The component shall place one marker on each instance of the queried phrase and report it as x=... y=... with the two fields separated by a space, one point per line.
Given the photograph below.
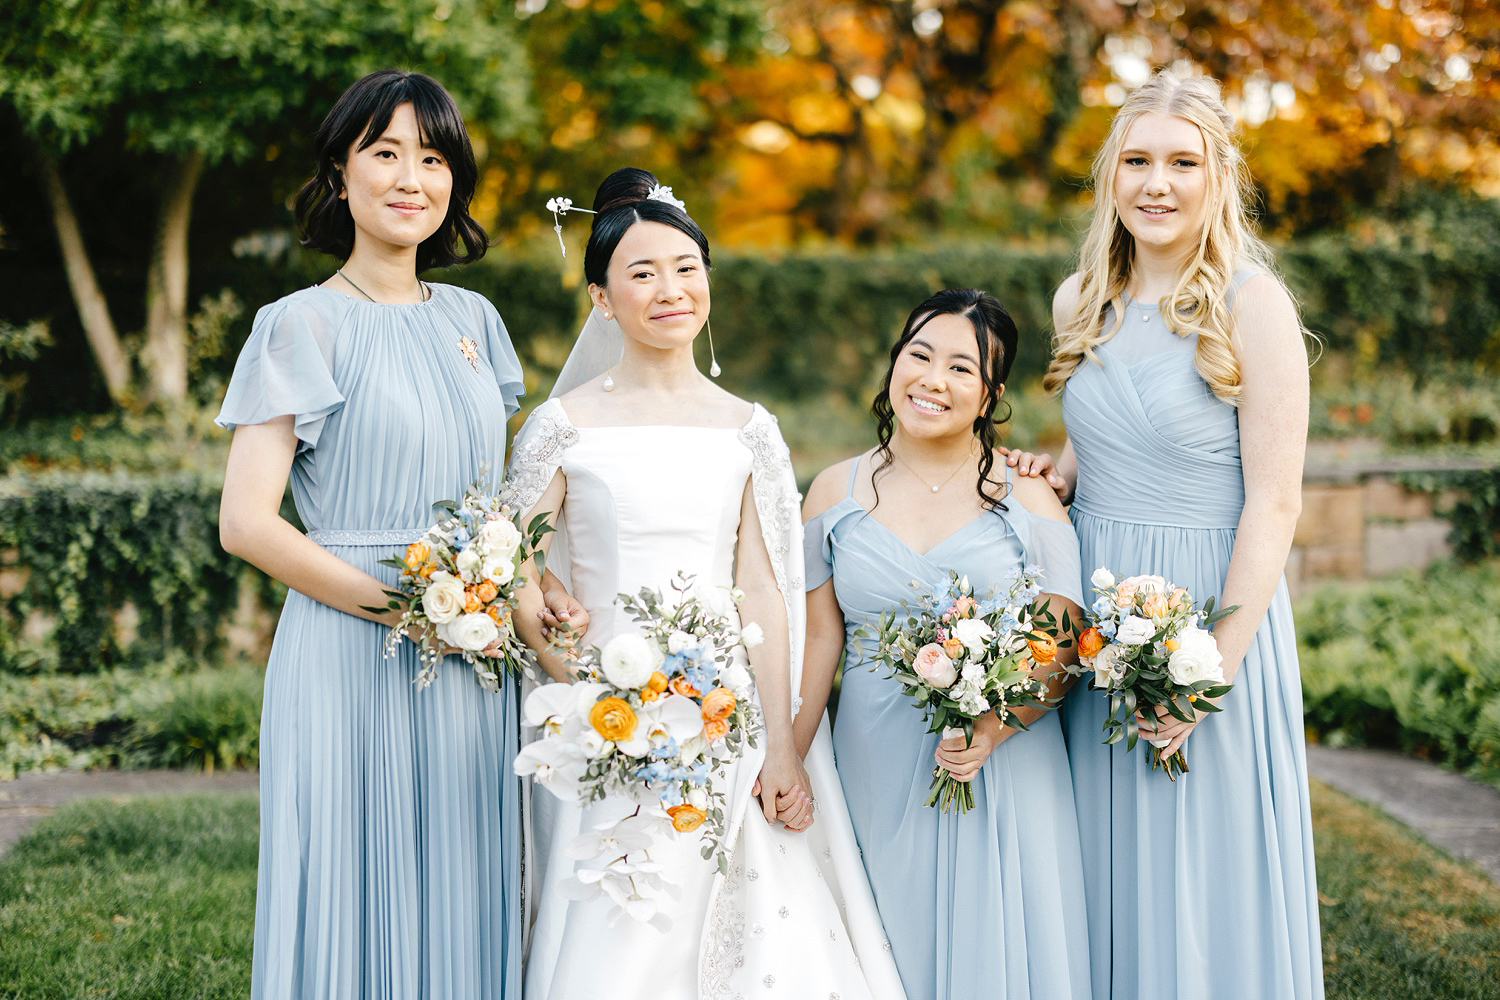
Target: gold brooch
x=470 y=352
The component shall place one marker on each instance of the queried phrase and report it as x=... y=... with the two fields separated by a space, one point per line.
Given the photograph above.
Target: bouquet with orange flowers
x=651 y=718
x=458 y=585
x=1149 y=648
x=961 y=657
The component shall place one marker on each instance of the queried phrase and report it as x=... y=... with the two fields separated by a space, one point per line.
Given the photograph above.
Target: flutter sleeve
x=503 y=360
x=285 y=369
x=1053 y=546
x=817 y=549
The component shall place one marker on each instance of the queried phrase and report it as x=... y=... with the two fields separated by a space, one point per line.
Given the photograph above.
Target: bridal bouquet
x=458 y=586
x=960 y=657
x=651 y=718
x=1148 y=647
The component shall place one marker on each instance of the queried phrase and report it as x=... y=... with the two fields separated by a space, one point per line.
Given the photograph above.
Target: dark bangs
x=362 y=114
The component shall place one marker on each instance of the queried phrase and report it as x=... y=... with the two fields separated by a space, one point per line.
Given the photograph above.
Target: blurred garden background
x=846 y=158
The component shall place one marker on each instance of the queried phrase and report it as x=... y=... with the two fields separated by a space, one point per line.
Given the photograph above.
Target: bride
x=656 y=470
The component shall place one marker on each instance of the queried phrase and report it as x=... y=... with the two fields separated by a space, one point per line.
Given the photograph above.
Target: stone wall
x=1359 y=522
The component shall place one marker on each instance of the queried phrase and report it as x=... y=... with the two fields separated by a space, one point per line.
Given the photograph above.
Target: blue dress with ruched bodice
x=1202 y=888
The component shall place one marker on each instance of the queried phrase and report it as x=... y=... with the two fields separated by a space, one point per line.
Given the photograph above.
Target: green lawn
x=154 y=900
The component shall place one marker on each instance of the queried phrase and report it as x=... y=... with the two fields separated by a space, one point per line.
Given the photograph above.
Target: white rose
x=470 y=632
x=498 y=571
x=973 y=633
x=1102 y=579
x=736 y=677
x=443 y=600
x=500 y=539
x=1197 y=658
x=679 y=641
x=629 y=660
x=1109 y=669
x=469 y=562
x=752 y=635
x=1134 y=630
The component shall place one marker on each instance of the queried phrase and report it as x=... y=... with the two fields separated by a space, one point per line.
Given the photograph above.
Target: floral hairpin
x=663 y=193
x=562 y=206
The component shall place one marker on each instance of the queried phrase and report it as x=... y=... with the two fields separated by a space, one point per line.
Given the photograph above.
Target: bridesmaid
x=987 y=903
x=1184 y=380
x=390 y=823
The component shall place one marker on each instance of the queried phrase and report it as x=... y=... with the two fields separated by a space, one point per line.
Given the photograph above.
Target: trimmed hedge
x=81 y=549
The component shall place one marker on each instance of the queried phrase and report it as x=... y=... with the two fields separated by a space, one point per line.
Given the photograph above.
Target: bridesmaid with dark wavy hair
x=390 y=850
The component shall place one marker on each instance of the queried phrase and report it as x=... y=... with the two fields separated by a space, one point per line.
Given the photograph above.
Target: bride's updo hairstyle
x=621 y=202
x=997 y=337
x=362 y=115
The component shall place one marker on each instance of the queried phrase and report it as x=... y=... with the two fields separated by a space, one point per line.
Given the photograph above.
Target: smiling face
x=1161 y=183
x=935 y=386
x=397 y=188
x=657 y=286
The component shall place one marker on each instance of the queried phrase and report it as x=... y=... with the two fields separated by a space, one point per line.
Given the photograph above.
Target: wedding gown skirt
x=794 y=915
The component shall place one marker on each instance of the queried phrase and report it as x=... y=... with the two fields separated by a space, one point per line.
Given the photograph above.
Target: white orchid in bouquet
x=960 y=657
x=1149 y=647
x=650 y=718
x=458 y=586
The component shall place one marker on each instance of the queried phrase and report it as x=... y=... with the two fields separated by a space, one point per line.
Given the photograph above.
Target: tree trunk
x=165 y=352
x=93 y=310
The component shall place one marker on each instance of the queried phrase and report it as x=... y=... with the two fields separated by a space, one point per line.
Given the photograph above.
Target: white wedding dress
x=794 y=916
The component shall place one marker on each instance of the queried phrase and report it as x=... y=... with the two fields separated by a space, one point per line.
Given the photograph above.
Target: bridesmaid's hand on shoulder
x=964 y=762
x=1035 y=465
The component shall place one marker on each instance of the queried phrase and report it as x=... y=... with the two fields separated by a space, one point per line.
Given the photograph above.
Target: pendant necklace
x=924 y=482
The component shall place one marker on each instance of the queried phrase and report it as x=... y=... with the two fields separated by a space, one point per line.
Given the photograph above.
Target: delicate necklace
x=923 y=481
x=422 y=285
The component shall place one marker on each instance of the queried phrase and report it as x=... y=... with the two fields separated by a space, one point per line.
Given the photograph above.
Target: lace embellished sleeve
x=538 y=453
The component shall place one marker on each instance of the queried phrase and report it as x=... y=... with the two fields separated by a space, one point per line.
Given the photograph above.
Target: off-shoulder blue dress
x=981 y=904
x=390 y=821
x=1202 y=888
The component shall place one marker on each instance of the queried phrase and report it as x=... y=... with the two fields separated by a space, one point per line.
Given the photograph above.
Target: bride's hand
x=785 y=791
x=563 y=619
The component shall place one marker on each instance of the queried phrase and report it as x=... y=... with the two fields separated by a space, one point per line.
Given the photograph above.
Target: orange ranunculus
x=964 y=607
x=1173 y=645
x=613 y=719
x=486 y=591
x=715 y=729
x=431 y=567
x=1090 y=642
x=1043 y=650
x=472 y=603
x=657 y=682
x=952 y=648
x=416 y=555
x=717 y=704
x=648 y=695
x=686 y=818
x=680 y=685
x=499 y=616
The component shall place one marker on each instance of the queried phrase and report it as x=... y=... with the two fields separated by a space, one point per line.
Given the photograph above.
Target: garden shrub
x=1407 y=662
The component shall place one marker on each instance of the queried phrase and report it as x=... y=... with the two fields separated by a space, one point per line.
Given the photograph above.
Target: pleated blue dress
x=987 y=903
x=1203 y=888
x=390 y=846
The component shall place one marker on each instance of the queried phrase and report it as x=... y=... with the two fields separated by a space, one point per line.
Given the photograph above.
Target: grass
x=154 y=899
x=146 y=900
x=1400 y=920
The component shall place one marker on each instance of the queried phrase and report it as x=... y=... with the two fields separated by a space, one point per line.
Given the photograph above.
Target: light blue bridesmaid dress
x=1203 y=888
x=983 y=904
x=390 y=844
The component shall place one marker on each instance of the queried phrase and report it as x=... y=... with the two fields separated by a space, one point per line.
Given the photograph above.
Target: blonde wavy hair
x=1199 y=302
